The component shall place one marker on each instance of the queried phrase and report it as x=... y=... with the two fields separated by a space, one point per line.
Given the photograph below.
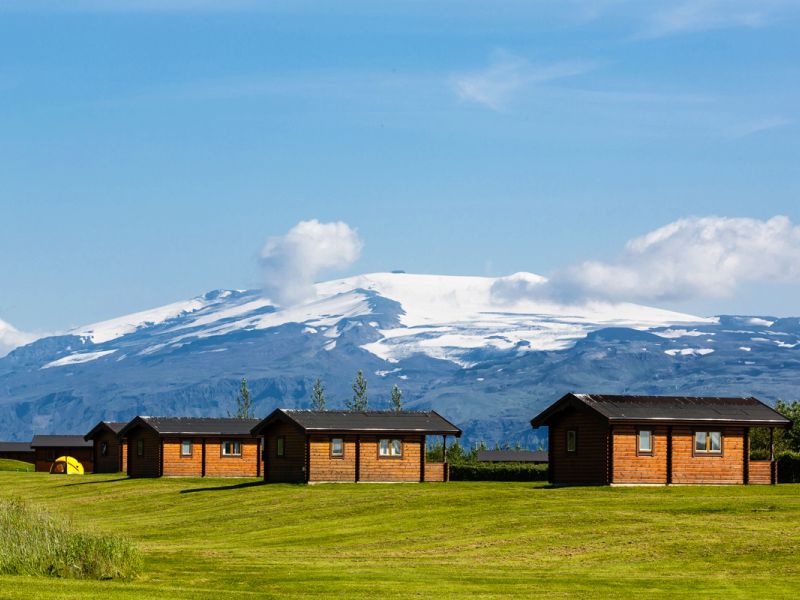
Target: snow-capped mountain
x=485 y=351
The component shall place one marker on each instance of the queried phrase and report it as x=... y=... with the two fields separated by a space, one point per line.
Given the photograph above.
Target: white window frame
x=340 y=453
x=234 y=444
x=390 y=448
x=188 y=454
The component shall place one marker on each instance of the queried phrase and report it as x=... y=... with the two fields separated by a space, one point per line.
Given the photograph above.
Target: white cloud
x=702 y=15
x=292 y=262
x=708 y=257
x=493 y=86
x=759 y=125
x=11 y=338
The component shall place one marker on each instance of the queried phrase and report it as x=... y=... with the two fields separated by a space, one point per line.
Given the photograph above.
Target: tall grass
x=33 y=542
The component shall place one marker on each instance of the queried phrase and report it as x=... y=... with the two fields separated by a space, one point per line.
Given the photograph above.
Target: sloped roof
x=193 y=425
x=747 y=411
x=112 y=426
x=429 y=422
x=59 y=441
x=15 y=447
x=512 y=456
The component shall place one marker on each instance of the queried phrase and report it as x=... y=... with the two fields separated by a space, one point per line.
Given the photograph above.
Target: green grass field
x=238 y=538
x=7 y=464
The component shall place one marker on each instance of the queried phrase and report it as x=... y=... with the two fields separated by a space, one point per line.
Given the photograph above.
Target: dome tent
x=66 y=465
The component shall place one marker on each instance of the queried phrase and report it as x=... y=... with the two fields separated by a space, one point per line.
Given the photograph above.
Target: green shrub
x=34 y=543
x=498 y=472
x=788 y=467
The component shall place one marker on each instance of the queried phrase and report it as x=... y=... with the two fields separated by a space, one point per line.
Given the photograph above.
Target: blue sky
x=148 y=149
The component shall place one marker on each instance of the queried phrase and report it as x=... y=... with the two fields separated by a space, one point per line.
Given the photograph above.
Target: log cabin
x=191 y=447
x=47 y=448
x=21 y=451
x=617 y=440
x=304 y=446
x=109 y=452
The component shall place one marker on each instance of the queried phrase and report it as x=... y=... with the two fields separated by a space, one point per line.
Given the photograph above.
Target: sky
x=150 y=150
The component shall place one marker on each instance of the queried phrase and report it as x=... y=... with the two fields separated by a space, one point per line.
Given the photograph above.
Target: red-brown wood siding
x=631 y=467
x=324 y=467
x=377 y=468
x=28 y=457
x=149 y=464
x=291 y=466
x=709 y=469
x=589 y=463
x=110 y=463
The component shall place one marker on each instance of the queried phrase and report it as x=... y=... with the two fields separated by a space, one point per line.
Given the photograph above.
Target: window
x=390 y=447
x=104 y=448
x=281 y=448
x=139 y=447
x=231 y=448
x=708 y=442
x=337 y=448
x=186 y=447
x=572 y=440
x=645 y=444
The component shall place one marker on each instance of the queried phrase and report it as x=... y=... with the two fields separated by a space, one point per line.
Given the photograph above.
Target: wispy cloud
x=494 y=86
x=703 y=15
x=11 y=338
x=758 y=125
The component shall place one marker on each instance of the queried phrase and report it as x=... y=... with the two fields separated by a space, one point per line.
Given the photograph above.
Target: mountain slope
x=471 y=347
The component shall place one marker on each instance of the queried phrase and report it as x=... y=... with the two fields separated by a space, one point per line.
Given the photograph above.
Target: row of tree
x=360 y=401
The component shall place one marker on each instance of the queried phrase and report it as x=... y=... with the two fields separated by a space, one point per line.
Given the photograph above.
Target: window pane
x=700 y=441
x=186 y=447
x=140 y=447
x=337 y=447
x=571 y=441
x=280 y=449
x=397 y=447
x=237 y=447
x=384 y=448
x=645 y=441
x=716 y=441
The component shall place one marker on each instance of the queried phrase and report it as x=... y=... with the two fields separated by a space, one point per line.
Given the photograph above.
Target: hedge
x=789 y=467
x=498 y=472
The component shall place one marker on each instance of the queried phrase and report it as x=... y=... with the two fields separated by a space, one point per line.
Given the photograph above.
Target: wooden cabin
x=47 y=448
x=191 y=447
x=601 y=439
x=531 y=457
x=109 y=452
x=21 y=451
x=318 y=446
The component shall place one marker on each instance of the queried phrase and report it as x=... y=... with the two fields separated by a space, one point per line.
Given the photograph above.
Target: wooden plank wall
x=46 y=456
x=629 y=467
x=375 y=468
x=589 y=464
x=147 y=465
x=760 y=472
x=327 y=468
x=110 y=463
x=710 y=469
x=291 y=467
x=434 y=472
x=232 y=466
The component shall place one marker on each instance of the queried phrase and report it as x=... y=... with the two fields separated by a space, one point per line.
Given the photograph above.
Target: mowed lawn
x=217 y=538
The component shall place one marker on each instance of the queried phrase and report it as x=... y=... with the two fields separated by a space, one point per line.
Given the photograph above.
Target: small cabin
x=47 y=448
x=109 y=452
x=327 y=446
x=531 y=457
x=191 y=447
x=21 y=451
x=611 y=439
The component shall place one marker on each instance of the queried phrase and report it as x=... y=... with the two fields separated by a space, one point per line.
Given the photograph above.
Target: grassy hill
x=8 y=464
x=219 y=538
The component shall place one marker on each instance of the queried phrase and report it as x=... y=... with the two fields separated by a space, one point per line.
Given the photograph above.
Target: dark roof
x=59 y=441
x=691 y=409
x=374 y=421
x=512 y=456
x=112 y=426
x=15 y=447
x=192 y=425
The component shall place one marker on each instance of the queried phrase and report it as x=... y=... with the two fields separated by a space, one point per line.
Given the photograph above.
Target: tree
x=786 y=440
x=360 y=401
x=244 y=405
x=396 y=403
x=318 y=395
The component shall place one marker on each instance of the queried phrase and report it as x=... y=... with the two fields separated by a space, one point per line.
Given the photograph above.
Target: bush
x=498 y=472
x=788 y=467
x=34 y=543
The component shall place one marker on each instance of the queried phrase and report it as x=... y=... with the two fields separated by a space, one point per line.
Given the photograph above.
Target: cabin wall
x=589 y=463
x=324 y=467
x=176 y=465
x=44 y=457
x=290 y=467
x=378 y=468
x=110 y=461
x=28 y=456
x=714 y=469
x=245 y=465
x=149 y=464
x=631 y=467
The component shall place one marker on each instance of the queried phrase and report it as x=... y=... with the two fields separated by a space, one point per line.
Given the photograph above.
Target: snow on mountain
x=10 y=338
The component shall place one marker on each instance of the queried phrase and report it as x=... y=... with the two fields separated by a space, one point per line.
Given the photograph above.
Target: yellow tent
x=66 y=465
